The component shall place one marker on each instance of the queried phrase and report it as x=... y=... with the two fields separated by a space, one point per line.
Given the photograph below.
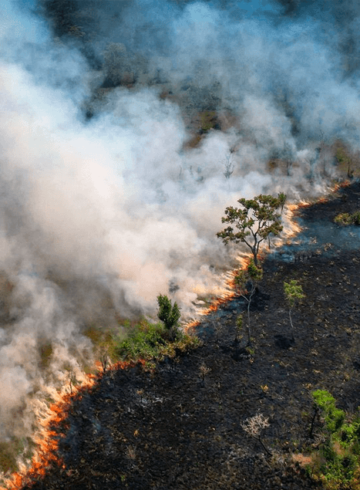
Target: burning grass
x=120 y=347
x=11 y=450
x=278 y=380
x=45 y=443
x=145 y=343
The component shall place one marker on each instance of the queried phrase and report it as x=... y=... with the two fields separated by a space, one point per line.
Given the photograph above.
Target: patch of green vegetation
x=151 y=341
x=336 y=464
x=347 y=219
x=131 y=341
x=207 y=120
x=24 y=446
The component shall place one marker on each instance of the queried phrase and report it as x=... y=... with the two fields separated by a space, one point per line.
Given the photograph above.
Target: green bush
x=168 y=313
x=334 y=417
x=144 y=340
x=132 y=341
x=338 y=463
x=151 y=341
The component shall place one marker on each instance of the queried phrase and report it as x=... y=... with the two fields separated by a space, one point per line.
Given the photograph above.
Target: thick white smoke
x=97 y=218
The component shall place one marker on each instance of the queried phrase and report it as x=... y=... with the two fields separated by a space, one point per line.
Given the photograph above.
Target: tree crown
x=251 y=273
x=261 y=211
x=168 y=313
x=293 y=292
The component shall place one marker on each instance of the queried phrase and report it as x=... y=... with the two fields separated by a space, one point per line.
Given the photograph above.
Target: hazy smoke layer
x=105 y=202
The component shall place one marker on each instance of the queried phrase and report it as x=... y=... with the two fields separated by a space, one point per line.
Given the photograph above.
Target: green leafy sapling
x=168 y=313
x=293 y=293
x=246 y=281
x=254 y=222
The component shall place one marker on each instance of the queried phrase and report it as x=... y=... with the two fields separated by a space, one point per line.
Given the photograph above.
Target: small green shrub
x=144 y=340
x=293 y=294
x=334 y=417
x=168 y=313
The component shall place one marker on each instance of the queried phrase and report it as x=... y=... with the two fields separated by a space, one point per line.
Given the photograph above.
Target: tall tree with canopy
x=254 y=222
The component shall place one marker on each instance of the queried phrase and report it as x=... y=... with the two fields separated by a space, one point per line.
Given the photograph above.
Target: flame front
x=56 y=413
x=46 y=438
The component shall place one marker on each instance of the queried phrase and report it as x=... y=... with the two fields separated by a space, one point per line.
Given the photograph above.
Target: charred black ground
x=173 y=430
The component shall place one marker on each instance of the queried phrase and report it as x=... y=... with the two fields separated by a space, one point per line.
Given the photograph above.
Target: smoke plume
x=126 y=128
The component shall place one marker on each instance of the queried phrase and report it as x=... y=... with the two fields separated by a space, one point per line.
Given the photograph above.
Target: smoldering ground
x=103 y=203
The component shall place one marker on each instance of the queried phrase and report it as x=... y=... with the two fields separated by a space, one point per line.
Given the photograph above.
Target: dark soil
x=172 y=429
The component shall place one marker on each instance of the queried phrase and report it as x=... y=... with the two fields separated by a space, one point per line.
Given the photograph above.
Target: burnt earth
x=175 y=429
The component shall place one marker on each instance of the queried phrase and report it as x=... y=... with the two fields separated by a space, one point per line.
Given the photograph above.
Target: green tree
x=334 y=417
x=293 y=293
x=168 y=313
x=246 y=282
x=254 y=222
x=338 y=465
x=282 y=200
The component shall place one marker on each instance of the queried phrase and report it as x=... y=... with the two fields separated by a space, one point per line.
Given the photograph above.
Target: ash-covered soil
x=172 y=429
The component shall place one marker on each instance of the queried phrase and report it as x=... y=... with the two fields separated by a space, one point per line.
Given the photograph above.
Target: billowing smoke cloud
x=105 y=200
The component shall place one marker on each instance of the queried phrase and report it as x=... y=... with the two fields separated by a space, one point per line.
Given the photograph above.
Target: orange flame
x=341 y=185
x=244 y=260
x=46 y=439
x=45 y=454
x=47 y=445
